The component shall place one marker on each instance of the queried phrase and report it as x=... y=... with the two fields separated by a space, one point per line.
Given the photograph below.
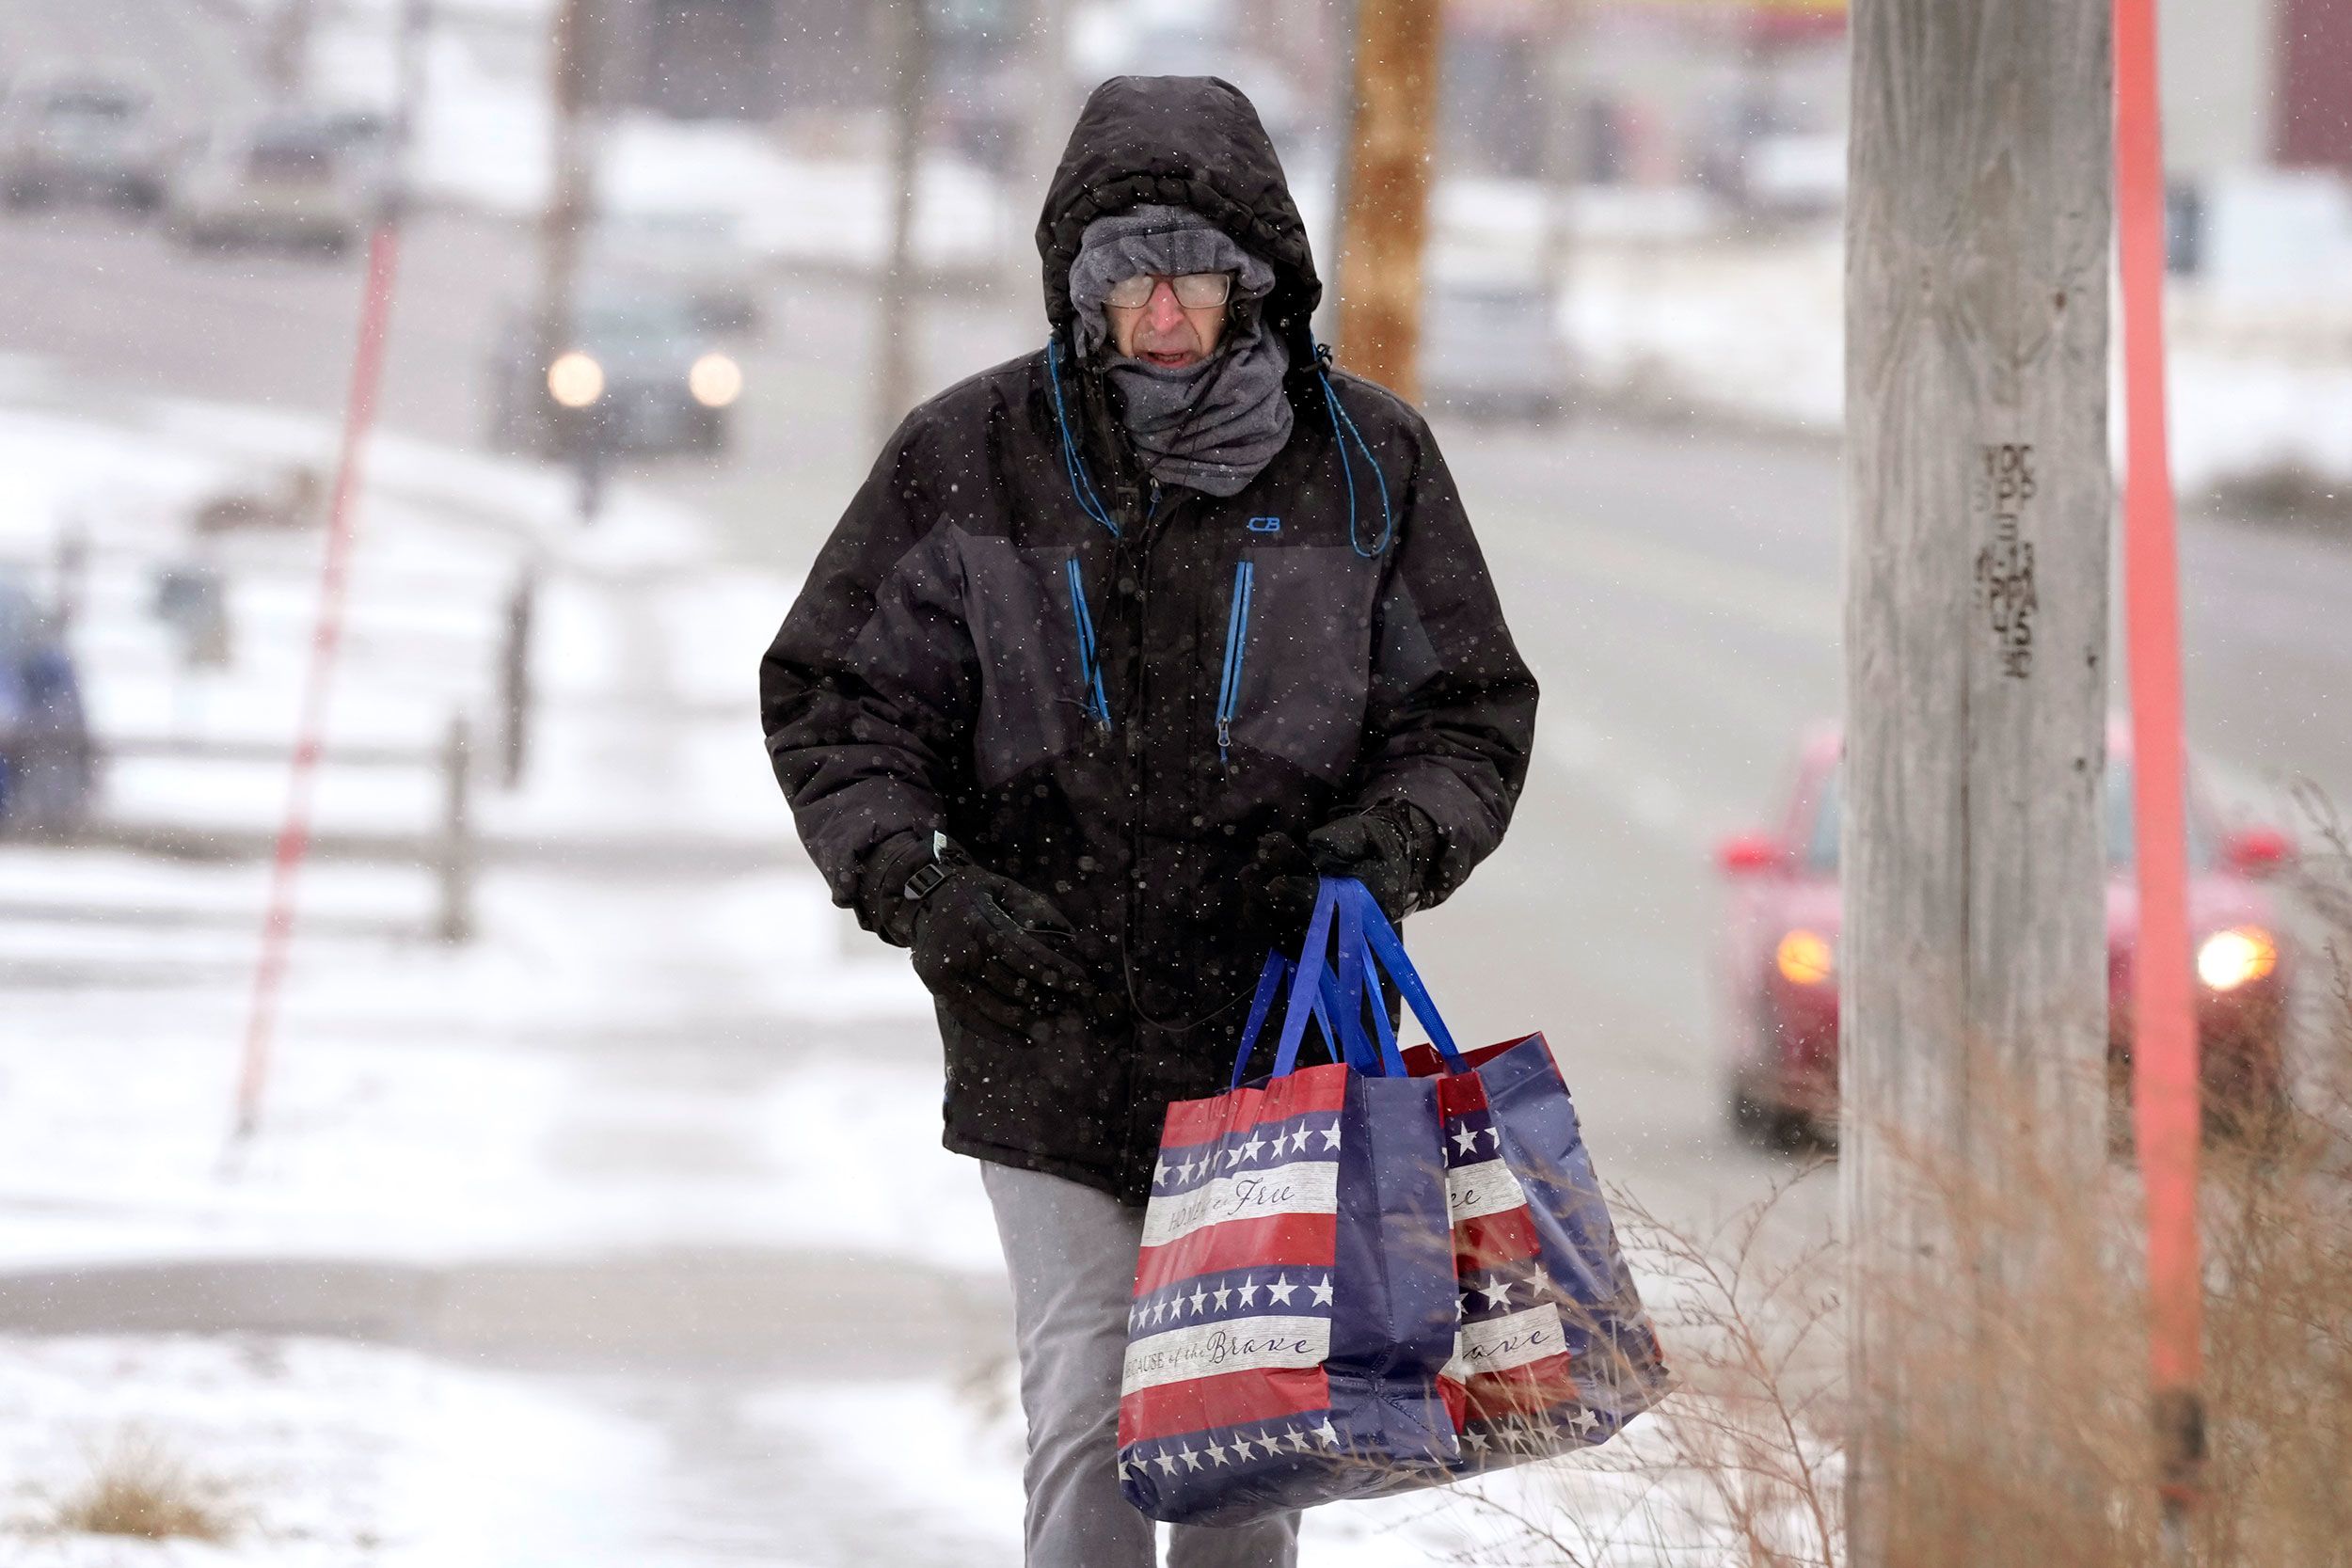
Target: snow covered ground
x=315 y=1453
x=424 y=1094
x=483 y=140
x=319 y=1453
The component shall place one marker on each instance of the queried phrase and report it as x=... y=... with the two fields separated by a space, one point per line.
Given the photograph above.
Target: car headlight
x=715 y=380
x=2237 y=956
x=575 y=380
x=1806 y=958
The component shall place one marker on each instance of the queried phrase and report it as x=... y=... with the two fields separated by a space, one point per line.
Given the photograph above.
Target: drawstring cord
x=1339 y=416
x=1073 y=461
x=1098 y=705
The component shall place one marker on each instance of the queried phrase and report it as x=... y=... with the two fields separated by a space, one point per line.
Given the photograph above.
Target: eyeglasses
x=1195 y=291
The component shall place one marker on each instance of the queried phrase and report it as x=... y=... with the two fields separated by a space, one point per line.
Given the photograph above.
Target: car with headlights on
x=290 y=178
x=634 y=371
x=82 y=133
x=1779 y=954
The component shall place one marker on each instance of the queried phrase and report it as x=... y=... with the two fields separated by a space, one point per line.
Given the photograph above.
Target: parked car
x=1491 y=346
x=292 y=178
x=48 y=773
x=83 y=134
x=698 y=252
x=636 y=371
x=1780 y=944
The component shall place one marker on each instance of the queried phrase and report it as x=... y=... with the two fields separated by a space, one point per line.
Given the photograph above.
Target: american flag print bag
x=1555 y=1351
x=1295 y=1298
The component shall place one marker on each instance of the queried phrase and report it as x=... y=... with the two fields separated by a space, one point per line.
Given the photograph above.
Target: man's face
x=1163 y=331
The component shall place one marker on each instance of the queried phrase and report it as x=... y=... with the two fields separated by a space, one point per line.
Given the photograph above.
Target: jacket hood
x=1182 y=141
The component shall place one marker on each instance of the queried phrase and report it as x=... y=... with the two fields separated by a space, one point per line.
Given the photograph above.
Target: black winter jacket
x=1109 y=694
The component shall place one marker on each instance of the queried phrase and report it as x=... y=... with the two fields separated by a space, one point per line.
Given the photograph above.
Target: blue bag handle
x=1381 y=949
x=1270 y=981
x=1379 y=1003
x=1359 y=977
x=1330 y=1004
x=1307 y=989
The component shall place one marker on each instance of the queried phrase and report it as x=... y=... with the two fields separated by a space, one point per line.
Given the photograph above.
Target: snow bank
x=1632 y=1503
x=325 y=1454
x=1755 y=330
x=640 y=892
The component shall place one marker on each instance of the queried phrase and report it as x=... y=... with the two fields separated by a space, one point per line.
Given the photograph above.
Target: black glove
x=1278 y=891
x=997 y=954
x=1388 y=848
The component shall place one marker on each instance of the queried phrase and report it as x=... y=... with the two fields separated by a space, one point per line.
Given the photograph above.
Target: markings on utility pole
x=2003 y=487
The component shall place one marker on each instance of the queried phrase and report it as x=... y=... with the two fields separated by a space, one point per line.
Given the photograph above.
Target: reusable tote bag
x=1555 y=1351
x=1294 y=1299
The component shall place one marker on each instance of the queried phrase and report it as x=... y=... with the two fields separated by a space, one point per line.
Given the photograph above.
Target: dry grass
x=137 y=1485
x=2021 y=1430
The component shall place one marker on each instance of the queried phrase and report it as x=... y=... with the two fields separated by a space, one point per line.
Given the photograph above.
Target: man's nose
x=1161 y=310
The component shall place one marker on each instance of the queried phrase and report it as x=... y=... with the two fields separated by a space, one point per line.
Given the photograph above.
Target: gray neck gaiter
x=1209 y=426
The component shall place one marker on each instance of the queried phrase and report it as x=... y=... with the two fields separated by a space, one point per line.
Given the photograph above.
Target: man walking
x=1119 y=644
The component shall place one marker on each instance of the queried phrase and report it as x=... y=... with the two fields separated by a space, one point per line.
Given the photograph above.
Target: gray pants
x=1071 y=1252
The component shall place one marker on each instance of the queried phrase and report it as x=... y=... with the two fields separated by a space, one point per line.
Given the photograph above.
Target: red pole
x=294 y=837
x=2166 y=1107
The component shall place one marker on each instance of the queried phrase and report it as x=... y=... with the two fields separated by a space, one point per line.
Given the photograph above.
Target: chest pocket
x=1041 y=690
x=1296 y=671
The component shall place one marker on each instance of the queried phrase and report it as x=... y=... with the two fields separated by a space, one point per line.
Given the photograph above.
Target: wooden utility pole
x=1974 y=963
x=1393 y=125
x=907 y=48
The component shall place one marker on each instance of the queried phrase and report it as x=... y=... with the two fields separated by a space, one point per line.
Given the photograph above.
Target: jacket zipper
x=1237 y=646
x=1096 y=703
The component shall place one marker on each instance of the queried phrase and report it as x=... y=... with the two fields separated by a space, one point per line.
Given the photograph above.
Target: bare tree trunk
x=571 y=197
x=456 y=920
x=897 y=336
x=1974 y=967
x=287 y=59
x=1392 y=129
x=1046 y=125
x=513 y=678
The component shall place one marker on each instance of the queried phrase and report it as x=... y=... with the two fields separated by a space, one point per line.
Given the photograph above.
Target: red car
x=1780 y=953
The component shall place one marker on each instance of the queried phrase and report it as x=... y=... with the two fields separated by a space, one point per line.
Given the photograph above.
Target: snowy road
x=1676 y=592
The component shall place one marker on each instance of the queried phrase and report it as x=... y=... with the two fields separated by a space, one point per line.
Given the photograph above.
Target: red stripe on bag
x=1456 y=1401
x=1487 y=1240
x=1231 y=1399
x=1459 y=1094
x=1313 y=1091
x=1522 y=1390
x=1422 y=1061
x=1286 y=1241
